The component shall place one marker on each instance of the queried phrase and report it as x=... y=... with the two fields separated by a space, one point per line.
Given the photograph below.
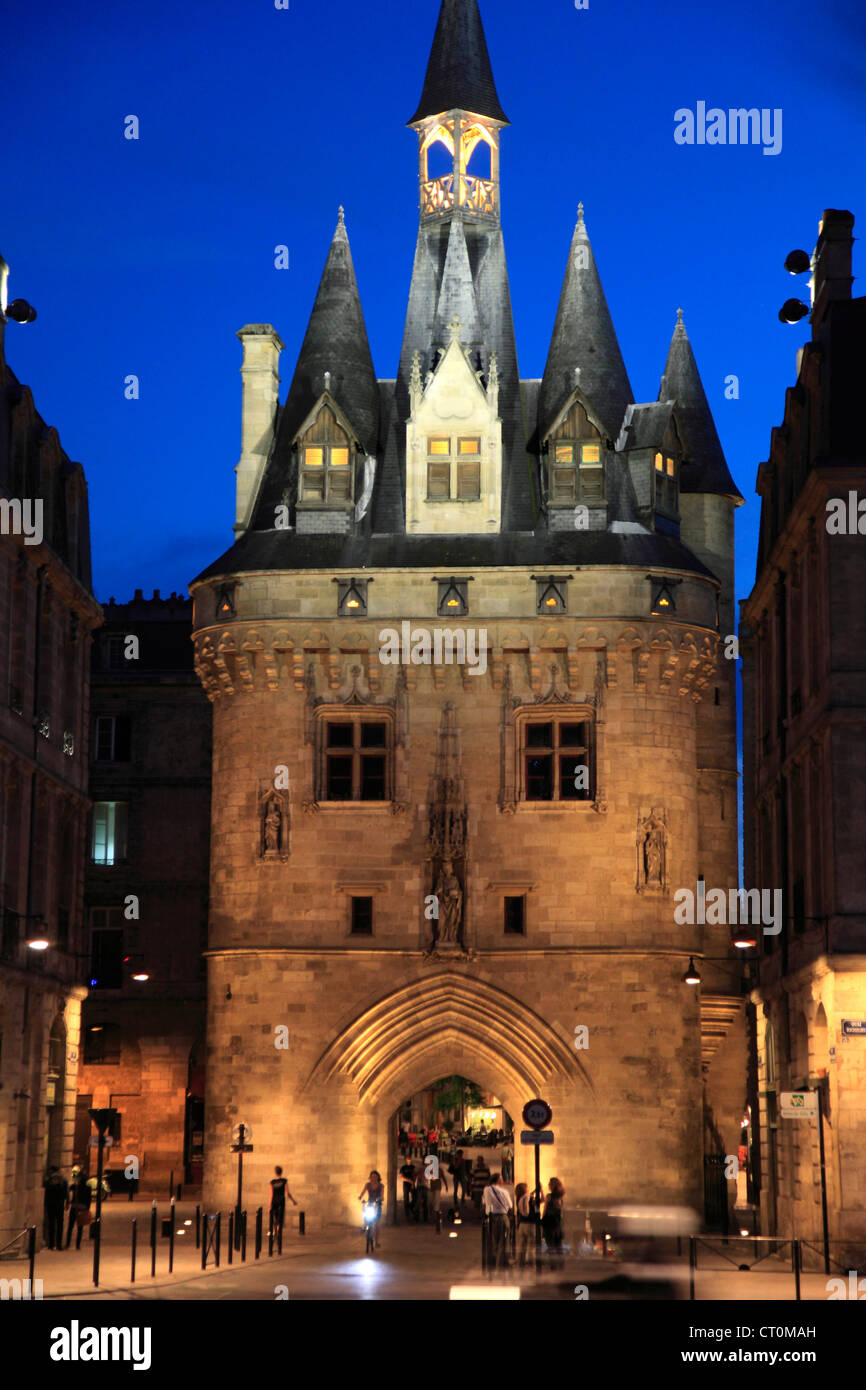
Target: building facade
x=146 y=890
x=804 y=758
x=47 y=614
x=473 y=727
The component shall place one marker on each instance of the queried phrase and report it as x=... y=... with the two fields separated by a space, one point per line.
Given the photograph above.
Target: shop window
x=101 y=1044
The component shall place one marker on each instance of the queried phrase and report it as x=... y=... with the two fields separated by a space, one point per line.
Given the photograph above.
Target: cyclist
x=373 y=1191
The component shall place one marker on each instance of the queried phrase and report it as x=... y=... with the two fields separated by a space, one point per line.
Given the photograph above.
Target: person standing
x=279 y=1193
x=422 y=1192
x=56 y=1192
x=525 y=1224
x=74 y=1178
x=508 y=1160
x=480 y=1180
x=83 y=1216
x=497 y=1205
x=551 y=1221
x=438 y=1185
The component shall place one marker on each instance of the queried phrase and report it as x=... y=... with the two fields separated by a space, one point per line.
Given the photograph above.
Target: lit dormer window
x=453 y=468
x=576 y=467
x=326 y=461
x=666 y=491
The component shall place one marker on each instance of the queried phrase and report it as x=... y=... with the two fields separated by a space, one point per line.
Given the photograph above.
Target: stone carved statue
x=450 y=896
x=273 y=822
x=652 y=848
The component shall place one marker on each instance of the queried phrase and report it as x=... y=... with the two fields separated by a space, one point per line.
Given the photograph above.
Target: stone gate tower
x=472 y=722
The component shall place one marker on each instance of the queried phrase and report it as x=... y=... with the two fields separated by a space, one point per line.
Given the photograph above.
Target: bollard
x=280 y=1239
x=438 y=1223
x=134 y=1241
x=243 y=1236
x=797 y=1256
x=693 y=1259
x=231 y=1240
x=197 y=1227
x=31 y=1255
x=484 y=1250
x=171 y=1240
x=218 y=1235
x=302 y=1224
x=204 y=1235
x=270 y=1235
x=153 y=1241
x=258 y=1233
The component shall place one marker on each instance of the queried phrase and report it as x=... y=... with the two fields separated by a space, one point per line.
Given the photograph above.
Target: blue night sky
x=256 y=123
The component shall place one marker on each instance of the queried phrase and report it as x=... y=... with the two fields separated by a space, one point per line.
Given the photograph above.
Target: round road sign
x=537 y=1114
x=236 y=1134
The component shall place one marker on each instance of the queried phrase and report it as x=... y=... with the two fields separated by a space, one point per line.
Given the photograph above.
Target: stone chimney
x=261 y=381
x=831 y=263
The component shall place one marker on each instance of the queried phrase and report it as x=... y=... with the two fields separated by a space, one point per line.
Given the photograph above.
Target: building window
x=112 y=738
x=515 y=916
x=114 y=652
x=666 y=490
x=101 y=1045
x=575 y=461
x=109 y=832
x=556 y=759
x=352 y=597
x=106 y=959
x=356 y=758
x=362 y=916
x=326 y=461
x=452 y=598
x=552 y=593
x=453 y=468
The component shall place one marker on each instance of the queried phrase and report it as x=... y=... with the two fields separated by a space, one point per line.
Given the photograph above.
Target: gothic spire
x=336 y=344
x=584 y=338
x=457 y=294
x=706 y=470
x=459 y=74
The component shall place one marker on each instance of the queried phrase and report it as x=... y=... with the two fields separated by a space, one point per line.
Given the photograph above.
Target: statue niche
x=652 y=843
x=273 y=827
x=447 y=842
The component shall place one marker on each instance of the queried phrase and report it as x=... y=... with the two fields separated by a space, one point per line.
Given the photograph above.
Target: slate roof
x=285 y=550
x=584 y=337
x=707 y=470
x=645 y=426
x=459 y=74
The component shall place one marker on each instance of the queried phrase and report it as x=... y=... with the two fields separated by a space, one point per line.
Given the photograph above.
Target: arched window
x=326 y=460
x=440 y=160
x=576 y=464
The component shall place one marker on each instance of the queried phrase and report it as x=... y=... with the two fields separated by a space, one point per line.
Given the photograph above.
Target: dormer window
x=575 y=461
x=453 y=468
x=326 y=462
x=666 y=489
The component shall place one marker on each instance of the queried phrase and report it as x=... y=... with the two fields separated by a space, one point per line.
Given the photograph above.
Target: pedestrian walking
x=438 y=1185
x=277 y=1208
x=422 y=1193
x=83 y=1215
x=480 y=1180
x=407 y=1173
x=74 y=1178
x=460 y=1173
x=497 y=1204
x=56 y=1194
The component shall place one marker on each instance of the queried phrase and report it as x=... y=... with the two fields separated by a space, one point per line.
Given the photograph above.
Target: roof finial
x=680 y=323
x=328 y=381
x=341 y=213
x=454 y=329
x=580 y=214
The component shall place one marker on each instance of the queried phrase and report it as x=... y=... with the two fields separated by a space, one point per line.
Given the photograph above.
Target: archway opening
x=447 y=1141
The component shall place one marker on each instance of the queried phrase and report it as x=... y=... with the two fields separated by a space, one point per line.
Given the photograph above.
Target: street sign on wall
x=798 y=1105
x=854 y=1027
x=536 y=1136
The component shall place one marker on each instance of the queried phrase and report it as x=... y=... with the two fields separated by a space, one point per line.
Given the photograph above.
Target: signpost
x=537 y=1114
x=809 y=1105
x=854 y=1027
x=239 y=1146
